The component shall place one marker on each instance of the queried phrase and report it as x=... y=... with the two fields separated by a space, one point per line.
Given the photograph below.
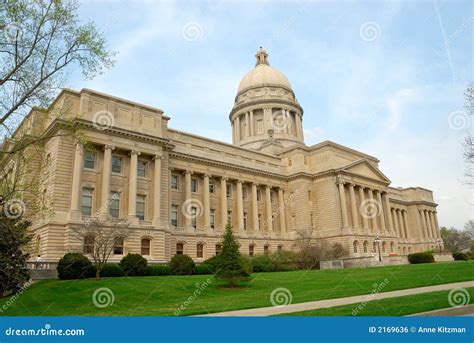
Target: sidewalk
x=313 y=305
x=467 y=310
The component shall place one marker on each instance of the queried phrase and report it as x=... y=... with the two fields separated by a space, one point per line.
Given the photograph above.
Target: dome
x=263 y=75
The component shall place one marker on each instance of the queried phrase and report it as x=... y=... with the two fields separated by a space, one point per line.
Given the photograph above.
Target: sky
x=385 y=78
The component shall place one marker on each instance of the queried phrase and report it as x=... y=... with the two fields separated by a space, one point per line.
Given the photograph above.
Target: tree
x=230 y=268
x=469 y=140
x=13 y=239
x=311 y=252
x=104 y=234
x=456 y=240
x=469 y=227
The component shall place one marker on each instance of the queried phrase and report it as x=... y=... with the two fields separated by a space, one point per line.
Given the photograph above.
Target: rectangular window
x=200 y=251
x=114 y=204
x=260 y=126
x=272 y=197
x=117 y=162
x=244 y=193
x=229 y=190
x=194 y=185
x=193 y=216
x=259 y=221
x=251 y=250
x=212 y=187
x=213 y=218
x=179 y=248
x=259 y=195
x=174 y=215
x=118 y=246
x=145 y=248
x=89 y=245
x=245 y=220
x=142 y=168
x=175 y=182
x=89 y=160
x=229 y=217
x=141 y=201
x=86 y=206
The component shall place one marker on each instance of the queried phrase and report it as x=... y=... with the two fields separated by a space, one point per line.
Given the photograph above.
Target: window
x=142 y=168
x=280 y=248
x=374 y=247
x=384 y=246
x=212 y=187
x=89 y=160
x=229 y=190
x=88 y=245
x=365 y=246
x=244 y=193
x=266 y=249
x=117 y=162
x=272 y=197
x=179 y=248
x=86 y=203
x=251 y=249
x=200 y=250
x=145 y=246
x=194 y=185
x=245 y=220
x=141 y=201
x=115 y=204
x=259 y=196
x=355 y=246
x=229 y=217
x=175 y=182
x=213 y=218
x=174 y=215
x=118 y=246
x=260 y=126
x=218 y=249
x=259 y=221
x=391 y=247
x=38 y=246
x=193 y=216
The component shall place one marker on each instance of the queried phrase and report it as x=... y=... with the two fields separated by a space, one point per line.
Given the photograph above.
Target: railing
x=41 y=265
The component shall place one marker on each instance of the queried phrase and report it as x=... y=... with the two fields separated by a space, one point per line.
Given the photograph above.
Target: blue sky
x=386 y=78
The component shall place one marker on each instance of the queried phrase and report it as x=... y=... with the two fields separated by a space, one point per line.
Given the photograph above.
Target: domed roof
x=263 y=75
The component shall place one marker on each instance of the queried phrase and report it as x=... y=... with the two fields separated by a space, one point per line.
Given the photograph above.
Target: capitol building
x=178 y=190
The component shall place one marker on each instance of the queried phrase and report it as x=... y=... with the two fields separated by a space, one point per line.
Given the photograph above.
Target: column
x=433 y=228
x=77 y=180
x=382 y=218
x=423 y=224
x=428 y=224
x=386 y=203
x=252 y=129
x=106 y=172
x=364 y=218
x=254 y=208
x=157 y=191
x=237 y=127
x=373 y=216
x=342 y=198
x=400 y=224
x=206 y=203
x=281 y=206
x=435 y=216
x=240 y=206
x=405 y=224
x=268 y=209
x=355 y=219
x=223 y=202
x=187 y=199
x=395 y=220
x=132 y=185
x=247 y=125
x=299 y=125
x=233 y=132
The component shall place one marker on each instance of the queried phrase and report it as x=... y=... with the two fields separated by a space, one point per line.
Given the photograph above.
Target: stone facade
x=178 y=190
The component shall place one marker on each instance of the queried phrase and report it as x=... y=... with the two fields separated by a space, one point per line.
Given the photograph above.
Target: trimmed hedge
x=182 y=265
x=263 y=263
x=460 y=256
x=112 y=270
x=134 y=265
x=203 y=269
x=74 y=266
x=277 y=262
x=421 y=257
x=159 y=270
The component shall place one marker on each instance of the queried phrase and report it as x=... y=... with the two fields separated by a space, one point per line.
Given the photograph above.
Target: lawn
x=399 y=306
x=162 y=295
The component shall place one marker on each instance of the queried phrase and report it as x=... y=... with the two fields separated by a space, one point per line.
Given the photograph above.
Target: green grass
x=399 y=306
x=162 y=295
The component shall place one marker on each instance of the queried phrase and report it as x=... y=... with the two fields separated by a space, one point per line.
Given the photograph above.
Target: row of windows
x=117 y=164
x=200 y=249
x=383 y=247
x=114 y=204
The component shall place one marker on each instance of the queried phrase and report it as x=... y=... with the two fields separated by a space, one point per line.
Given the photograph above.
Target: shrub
x=204 y=269
x=460 y=256
x=285 y=261
x=246 y=264
x=211 y=263
x=263 y=263
x=421 y=257
x=74 y=266
x=182 y=265
x=112 y=270
x=158 y=270
x=134 y=265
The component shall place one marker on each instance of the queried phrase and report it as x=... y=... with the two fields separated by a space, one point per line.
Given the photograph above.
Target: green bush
x=460 y=256
x=285 y=261
x=246 y=264
x=421 y=257
x=112 y=270
x=134 y=265
x=182 y=265
x=159 y=269
x=263 y=263
x=74 y=266
x=211 y=263
x=204 y=269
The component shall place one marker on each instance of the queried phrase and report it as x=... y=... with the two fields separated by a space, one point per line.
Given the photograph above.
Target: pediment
x=365 y=169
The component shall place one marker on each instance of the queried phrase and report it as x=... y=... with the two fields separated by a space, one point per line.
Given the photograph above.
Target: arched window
x=38 y=246
x=118 y=246
x=280 y=248
x=384 y=246
x=179 y=248
x=88 y=245
x=266 y=249
x=366 y=246
x=374 y=247
x=200 y=250
x=218 y=249
x=391 y=246
x=355 y=246
x=409 y=250
x=145 y=246
x=404 y=251
x=251 y=249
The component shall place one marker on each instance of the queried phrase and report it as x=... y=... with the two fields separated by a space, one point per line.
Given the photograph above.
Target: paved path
x=452 y=311
x=313 y=305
